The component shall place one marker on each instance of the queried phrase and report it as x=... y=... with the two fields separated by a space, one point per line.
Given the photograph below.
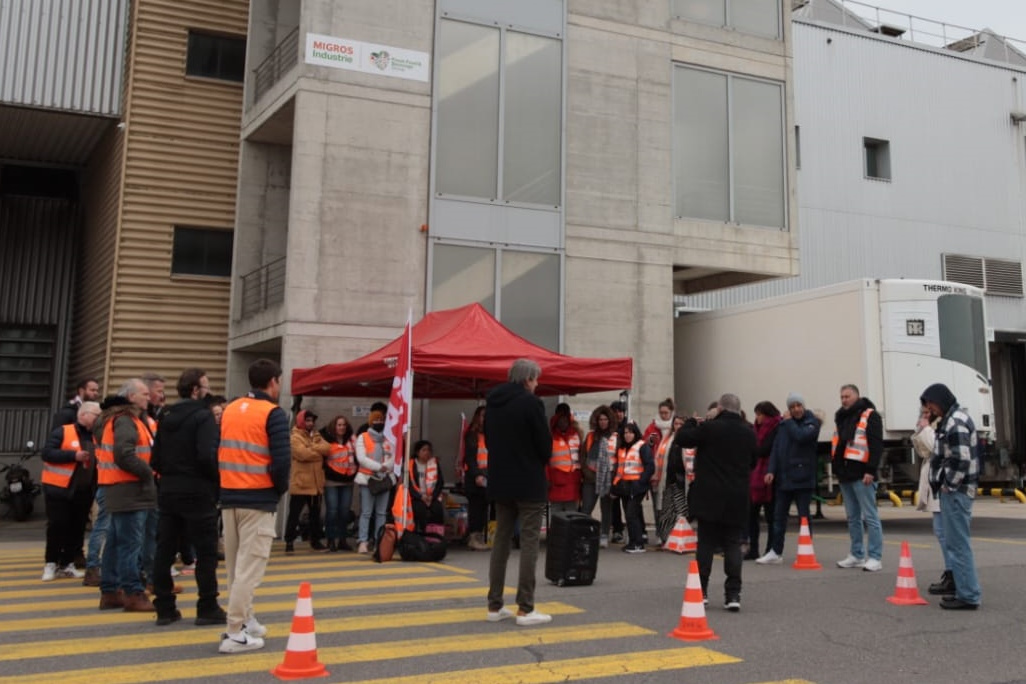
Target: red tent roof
x=461 y=353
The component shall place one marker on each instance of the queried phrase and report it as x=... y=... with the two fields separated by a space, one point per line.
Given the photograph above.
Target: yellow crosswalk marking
x=177 y=637
x=261 y=607
x=207 y=668
x=575 y=669
x=364 y=585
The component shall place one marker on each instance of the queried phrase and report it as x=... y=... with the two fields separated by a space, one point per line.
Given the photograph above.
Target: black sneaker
x=289 y=547
x=211 y=617
x=317 y=545
x=634 y=548
x=165 y=619
x=733 y=604
x=617 y=538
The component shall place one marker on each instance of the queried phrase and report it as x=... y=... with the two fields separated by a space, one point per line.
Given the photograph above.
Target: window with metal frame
x=212 y=55
x=26 y=365
x=202 y=251
x=754 y=17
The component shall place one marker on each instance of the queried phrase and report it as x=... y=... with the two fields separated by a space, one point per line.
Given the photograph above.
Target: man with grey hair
x=718 y=498
x=124 y=475
x=519 y=448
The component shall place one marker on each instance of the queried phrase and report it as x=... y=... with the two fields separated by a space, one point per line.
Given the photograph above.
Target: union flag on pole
x=397 y=422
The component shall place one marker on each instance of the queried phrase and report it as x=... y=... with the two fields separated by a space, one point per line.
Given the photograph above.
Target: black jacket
x=519 y=445
x=846 y=420
x=470 y=469
x=185 y=453
x=66 y=415
x=725 y=447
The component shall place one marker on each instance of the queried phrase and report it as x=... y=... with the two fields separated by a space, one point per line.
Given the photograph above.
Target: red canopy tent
x=458 y=354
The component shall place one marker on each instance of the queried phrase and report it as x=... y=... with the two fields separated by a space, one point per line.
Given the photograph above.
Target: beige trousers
x=248 y=535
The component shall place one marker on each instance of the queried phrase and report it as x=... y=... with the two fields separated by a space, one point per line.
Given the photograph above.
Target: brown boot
x=92 y=577
x=112 y=600
x=138 y=603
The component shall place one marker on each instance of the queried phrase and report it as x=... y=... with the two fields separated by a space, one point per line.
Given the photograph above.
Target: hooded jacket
x=137 y=495
x=519 y=444
x=846 y=420
x=308 y=453
x=954 y=465
x=185 y=452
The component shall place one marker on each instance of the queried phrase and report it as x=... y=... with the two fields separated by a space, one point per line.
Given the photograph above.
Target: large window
x=216 y=56
x=26 y=365
x=963 y=337
x=754 y=17
x=499 y=114
x=202 y=251
x=728 y=157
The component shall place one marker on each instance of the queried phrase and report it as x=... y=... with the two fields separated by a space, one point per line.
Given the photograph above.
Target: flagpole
x=406 y=454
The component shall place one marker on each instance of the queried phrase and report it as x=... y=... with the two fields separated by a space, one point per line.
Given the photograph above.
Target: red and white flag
x=397 y=422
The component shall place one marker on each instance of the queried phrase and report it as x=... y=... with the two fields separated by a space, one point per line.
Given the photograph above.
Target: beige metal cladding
x=63 y=54
x=182 y=137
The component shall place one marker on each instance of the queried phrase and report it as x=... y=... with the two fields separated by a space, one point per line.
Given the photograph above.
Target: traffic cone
x=690 y=539
x=301 y=652
x=682 y=538
x=906 y=593
x=806 y=559
x=692 y=625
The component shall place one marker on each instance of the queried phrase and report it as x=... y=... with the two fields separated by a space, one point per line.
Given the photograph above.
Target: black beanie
x=939 y=394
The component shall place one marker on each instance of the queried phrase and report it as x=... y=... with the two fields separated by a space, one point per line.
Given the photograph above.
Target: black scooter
x=19 y=491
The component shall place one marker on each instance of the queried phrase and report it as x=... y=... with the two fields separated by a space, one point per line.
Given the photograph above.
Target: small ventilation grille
x=1000 y=277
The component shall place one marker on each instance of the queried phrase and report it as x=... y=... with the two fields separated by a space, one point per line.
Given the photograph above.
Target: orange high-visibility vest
x=610 y=447
x=629 y=463
x=59 y=474
x=858 y=448
x=244 y=455
x=660 y=457
x=150 y=423
x=342 y=458
x=482 y=455
x=402 y=504
x=107 y=471
x=566 y=453
x=369 y=446
x=430 y=478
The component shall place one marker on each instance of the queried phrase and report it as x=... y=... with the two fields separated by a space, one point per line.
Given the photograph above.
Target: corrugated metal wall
x=957 y=162
x=36 y=276
x=180 y=169
x=63 y=54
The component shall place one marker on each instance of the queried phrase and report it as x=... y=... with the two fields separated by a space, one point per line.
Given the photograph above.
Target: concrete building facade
x=569 y=164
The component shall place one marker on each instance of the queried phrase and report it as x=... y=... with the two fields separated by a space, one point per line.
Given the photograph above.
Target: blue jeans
x=956 y=513
x=372 y=503
x=860 y=506
x=121 y=557
x=938 y=531
x=98 y=535
x=337 y=502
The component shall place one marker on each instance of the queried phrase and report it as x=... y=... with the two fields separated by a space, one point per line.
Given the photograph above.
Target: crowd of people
x=222 y=469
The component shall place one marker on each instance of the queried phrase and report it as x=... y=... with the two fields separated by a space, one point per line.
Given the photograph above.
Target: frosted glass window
x=462 y=275
x=467 y=154
x=712 y=12
x=700 y=160
x=531 y=149
x=758 y=153
x=756 y=17
x=531 y=296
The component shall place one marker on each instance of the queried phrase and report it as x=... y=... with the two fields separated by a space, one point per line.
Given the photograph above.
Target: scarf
x=664 y=426
x=765 y=428
x=604 y=471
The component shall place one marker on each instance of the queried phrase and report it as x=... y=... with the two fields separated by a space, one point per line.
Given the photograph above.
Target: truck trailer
x=890 y=338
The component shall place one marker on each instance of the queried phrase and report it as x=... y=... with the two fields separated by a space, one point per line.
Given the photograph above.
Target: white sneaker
x=851 y=562
x=533 y=618
x=872 y=565
x=500 y=614
x=49 y=572
x=71 y=571
x=238 y=643
x=770 y=558
x=253 y=628
x=175 y=572
x=603 y=542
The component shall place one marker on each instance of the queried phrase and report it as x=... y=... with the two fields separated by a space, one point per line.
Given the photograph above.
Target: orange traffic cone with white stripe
x=301 y=652
x=906 y=593
x=692 y=625
x=682 y=538
x=806 y=559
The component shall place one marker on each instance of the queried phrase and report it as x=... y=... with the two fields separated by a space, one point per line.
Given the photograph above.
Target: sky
x=1005 y=17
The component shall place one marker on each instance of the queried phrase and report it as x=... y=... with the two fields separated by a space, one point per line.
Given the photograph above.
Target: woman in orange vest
x=339 y=473
x=659 y=435
x=426 y=487
x=564 y=469
x=475 y=480
x=69 y=484
x=634 y=469
x=375 y=462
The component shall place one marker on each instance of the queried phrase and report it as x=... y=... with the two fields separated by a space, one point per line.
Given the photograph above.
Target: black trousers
x=713 y=534
x=635 y=519
x=66 y=518
x=424 y=515
x=296 y=504
x=195 y=518
x=477 y=509
x=755 y=510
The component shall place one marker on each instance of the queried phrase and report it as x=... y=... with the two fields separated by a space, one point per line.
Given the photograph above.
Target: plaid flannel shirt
x=954 y=464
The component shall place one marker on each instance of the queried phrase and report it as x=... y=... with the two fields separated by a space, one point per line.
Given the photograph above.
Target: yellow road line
x=62 y=585
x=118 y=617
x=71 y=604
x=208 y=668
x=181 y=637
x=575 y=669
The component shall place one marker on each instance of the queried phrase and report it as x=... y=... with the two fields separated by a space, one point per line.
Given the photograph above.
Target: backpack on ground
x=423 y=548
x=384 y=546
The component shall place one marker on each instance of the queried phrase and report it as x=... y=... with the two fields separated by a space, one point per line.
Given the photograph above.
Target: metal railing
x=284 y=56
x=263 y=288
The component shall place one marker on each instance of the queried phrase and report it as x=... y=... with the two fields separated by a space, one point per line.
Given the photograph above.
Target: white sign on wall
x=342 y=53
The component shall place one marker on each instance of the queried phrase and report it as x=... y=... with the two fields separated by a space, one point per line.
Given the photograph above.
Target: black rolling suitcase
x=571 y=549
